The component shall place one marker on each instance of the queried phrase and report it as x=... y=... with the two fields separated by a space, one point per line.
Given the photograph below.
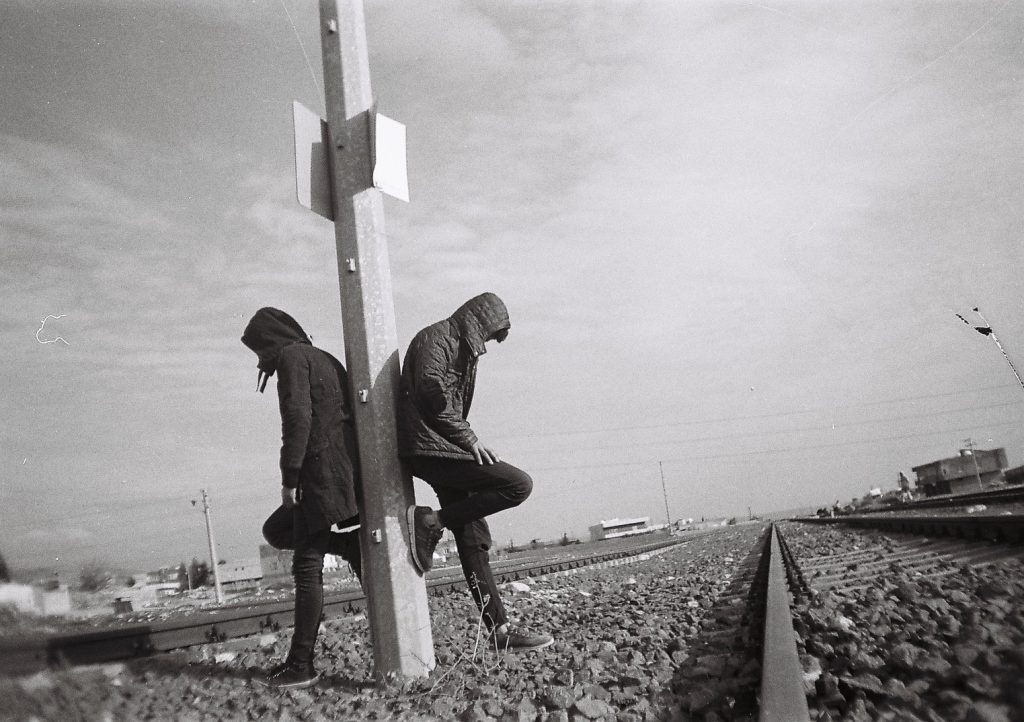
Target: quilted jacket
x=439 y=376
x=318 y=443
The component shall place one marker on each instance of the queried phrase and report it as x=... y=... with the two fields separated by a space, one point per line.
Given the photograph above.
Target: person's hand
x=484 y=455
x=289 y=497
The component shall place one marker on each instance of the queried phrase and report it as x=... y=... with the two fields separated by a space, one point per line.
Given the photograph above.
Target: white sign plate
x=312 y=179
x=389 y=168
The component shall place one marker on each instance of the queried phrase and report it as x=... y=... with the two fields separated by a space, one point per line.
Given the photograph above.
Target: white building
x=36 y=600
x=615 y=528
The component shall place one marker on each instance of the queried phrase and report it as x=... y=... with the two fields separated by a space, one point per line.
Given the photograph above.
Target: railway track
x=27 y=654
x=787 y=622
x=908 y=619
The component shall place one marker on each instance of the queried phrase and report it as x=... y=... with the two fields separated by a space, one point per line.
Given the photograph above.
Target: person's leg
x=473 y=541
x=467 y=492
x=297 y=670
x=491 y=487
x=307 y=568
x=346 y=545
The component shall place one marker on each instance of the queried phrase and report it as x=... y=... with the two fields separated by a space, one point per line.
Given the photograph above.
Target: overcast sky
x=732 y=237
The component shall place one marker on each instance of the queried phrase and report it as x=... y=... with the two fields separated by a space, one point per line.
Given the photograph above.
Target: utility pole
x=969 y=445
x=987 y=330
x=664 y=493
x=397 y=596
x=213 y=548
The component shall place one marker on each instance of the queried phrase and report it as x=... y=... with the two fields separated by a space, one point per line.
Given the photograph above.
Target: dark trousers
x=287 y=529
x=468 y=492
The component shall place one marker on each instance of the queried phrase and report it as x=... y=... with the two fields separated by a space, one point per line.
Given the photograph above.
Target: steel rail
x=27 y=654
x=1004 y=529
x=782 y=697
x=1001 y=495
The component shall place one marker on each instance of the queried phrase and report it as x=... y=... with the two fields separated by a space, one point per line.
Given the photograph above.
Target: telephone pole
x=969 y=445
x=397 y=596
x=664 y=493
x=213 y=548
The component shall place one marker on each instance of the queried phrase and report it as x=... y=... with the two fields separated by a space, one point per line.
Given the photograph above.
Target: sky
x=733 y=238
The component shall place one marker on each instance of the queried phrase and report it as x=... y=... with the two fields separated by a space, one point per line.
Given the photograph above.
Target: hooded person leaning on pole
x=471 y=482
x=318 y=475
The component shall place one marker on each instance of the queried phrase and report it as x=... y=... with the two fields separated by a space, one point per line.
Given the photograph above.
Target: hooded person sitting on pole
x=319 y=464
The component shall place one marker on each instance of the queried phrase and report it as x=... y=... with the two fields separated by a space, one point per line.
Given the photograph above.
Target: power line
x=803 y=429
x=731 y=419
x=762 y=452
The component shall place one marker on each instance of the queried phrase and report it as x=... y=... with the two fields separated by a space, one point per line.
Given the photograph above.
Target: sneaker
x=425 y=531
x=509 y=639
x=289 y=675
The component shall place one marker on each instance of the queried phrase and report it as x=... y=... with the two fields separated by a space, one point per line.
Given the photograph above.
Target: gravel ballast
x=941 y=642
x=622 y=651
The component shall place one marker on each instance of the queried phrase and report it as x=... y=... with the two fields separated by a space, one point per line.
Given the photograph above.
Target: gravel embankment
x=939 y=643
x=622 y=652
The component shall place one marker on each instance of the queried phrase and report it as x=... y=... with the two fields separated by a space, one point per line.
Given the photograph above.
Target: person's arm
x=433 y=386
x=296 y=416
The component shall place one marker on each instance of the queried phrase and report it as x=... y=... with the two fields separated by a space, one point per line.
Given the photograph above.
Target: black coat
x=318 y=444
x=439 y=377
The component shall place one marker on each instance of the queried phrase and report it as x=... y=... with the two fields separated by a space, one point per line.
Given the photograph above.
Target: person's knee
x=278 y=529
x=307 y=567
x=275 y=536
x=520 y=487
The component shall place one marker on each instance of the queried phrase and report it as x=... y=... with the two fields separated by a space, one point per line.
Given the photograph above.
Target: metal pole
x=664 y=493
x=213 y=549
x=969 y=443
x=992 y=333
x=397 y=608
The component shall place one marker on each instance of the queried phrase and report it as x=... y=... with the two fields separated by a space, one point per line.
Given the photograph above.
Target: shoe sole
x=410 y=521
x=292 y=685
x=527 y=649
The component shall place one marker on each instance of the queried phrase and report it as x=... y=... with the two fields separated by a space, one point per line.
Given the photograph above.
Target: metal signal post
x=397 y=597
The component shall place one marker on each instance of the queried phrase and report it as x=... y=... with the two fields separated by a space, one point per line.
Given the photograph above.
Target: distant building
x=240 y=573
x=1014 y=475
x=148 y=594
x=275 y=565
x=35 y=599
x=163 y=575
x=615 y=528
x=961 y=474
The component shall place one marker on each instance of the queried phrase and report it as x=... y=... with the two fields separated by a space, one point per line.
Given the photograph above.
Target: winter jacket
x=439 y=376
x=318 y=445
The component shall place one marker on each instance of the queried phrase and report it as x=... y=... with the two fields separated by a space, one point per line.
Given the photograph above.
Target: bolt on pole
x=397 y=597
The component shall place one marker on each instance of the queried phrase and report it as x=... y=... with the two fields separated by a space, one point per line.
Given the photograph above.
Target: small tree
x=199 y=573
x=5 y=573
x=94 y=576
x=182 y=577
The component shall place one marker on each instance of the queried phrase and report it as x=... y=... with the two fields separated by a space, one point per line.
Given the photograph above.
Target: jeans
x=468 y=492
x=287 y=529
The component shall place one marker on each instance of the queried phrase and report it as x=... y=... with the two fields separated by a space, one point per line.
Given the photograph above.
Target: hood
x=478 y=318
x=269 y=331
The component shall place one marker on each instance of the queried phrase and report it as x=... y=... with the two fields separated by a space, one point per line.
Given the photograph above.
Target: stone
x=558 y=697
x=904 y=656
x=591 y=708
x=989 y=712
x=866 y=682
